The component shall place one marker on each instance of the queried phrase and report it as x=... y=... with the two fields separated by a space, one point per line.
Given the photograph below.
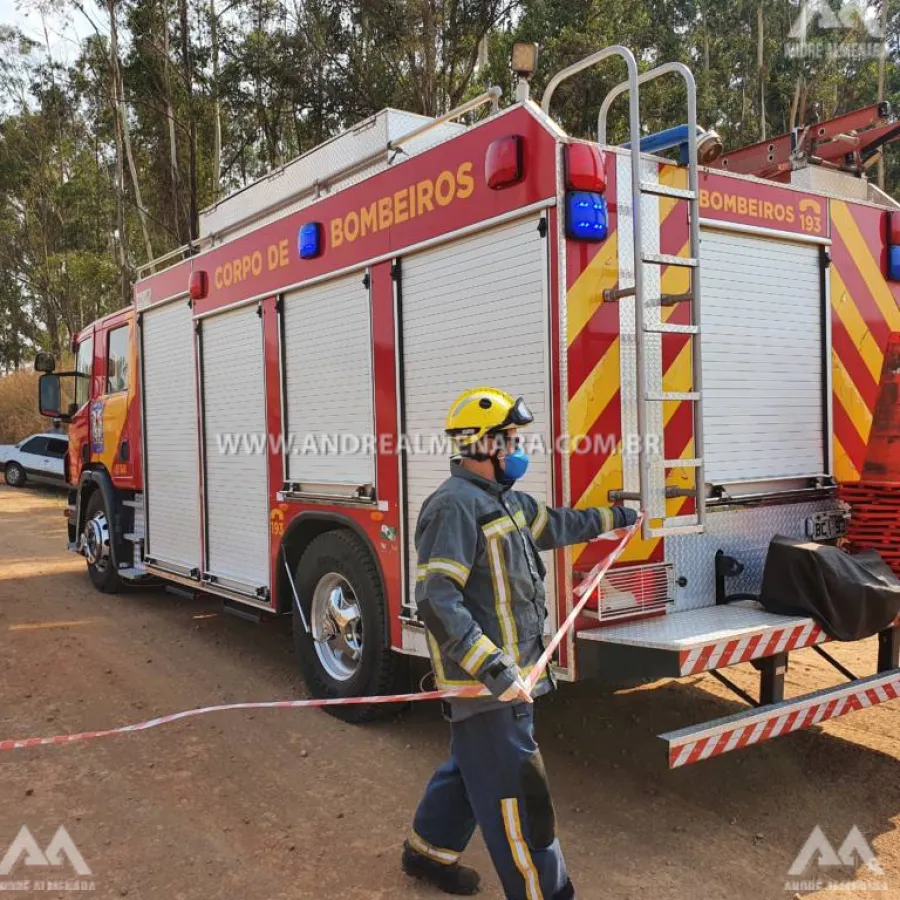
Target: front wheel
x=96 y=545
x=14 y=475
x=340 y=634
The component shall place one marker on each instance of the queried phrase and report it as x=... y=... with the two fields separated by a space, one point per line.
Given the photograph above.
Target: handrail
x=620 y=89
x=586 y=63
x=159 y=260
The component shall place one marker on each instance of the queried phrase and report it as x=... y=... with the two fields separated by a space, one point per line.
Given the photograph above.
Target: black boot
x=452 y=879
x=566 y=892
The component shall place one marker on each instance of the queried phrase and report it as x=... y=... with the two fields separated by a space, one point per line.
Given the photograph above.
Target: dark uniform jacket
x=480 y=580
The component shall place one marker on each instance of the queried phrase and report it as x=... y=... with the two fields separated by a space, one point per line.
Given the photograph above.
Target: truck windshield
x=83 y=366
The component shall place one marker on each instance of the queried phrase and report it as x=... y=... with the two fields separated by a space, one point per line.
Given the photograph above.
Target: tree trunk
x=192 y=123
x=124 y=277
x=881 y=65
x=122 y=115
x=760 y=63
x=170 y=116
x=217 y=109
x=795 y=106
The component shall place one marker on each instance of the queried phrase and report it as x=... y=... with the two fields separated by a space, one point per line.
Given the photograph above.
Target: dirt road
x=294 y=804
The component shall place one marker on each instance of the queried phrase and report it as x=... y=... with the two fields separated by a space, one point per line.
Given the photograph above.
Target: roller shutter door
x=763 y=358
x=474 y=312
x=328 y=385
x=172 y=466
x=234 y=404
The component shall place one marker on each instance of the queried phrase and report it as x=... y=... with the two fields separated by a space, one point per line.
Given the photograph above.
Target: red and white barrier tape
x=583 y=591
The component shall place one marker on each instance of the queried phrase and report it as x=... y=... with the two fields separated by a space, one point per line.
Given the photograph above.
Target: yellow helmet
x=481 y=410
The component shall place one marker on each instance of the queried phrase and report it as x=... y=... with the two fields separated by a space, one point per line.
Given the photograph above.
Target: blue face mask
x=515 y=465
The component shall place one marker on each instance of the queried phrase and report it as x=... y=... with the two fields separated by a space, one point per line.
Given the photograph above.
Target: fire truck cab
x=695 y=340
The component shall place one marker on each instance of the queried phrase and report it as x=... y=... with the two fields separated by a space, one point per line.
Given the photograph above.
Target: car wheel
x=346 y=651
x=96 y=545
x=14 y=474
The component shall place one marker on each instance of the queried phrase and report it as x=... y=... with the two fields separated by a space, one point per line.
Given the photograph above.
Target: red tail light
x=503 y=162
x=198 y=287
x=585 y=168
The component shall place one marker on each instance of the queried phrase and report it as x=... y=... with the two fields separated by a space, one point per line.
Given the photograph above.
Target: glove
x=517 y=692
x=623 y=517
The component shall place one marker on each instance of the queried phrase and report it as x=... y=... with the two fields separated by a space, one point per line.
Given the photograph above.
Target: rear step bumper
x=699 y=742
x=700 y=640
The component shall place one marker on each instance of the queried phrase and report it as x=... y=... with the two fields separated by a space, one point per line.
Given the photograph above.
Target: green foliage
x=217 y=92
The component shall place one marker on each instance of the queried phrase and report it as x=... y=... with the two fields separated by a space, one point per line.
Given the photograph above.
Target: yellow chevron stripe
x=598 y=390
x=852 y=319
x=671 y=176
x=609 y=476
x=844 y=470
x=586 y=295
x=847 y=393
x=871 y=272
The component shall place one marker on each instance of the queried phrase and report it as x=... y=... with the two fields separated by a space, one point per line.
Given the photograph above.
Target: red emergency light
x=198 y=287
x=585 y=168
x=503 y=162
x=893 y=229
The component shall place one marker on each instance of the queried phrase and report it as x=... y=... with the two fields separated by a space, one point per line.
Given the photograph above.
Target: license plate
x=826 y=526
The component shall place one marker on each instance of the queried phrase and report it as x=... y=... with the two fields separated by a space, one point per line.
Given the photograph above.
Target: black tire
x=14 y=475
x=103 y=572
x=340 y=553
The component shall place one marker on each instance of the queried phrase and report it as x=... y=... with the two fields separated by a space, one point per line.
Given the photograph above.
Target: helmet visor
x=518 y=416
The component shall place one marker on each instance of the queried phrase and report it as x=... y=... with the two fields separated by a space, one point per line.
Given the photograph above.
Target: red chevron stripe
x=852 y=360
x=859 y=289
x=848 y=436
x=591 y=345
x=583 y=467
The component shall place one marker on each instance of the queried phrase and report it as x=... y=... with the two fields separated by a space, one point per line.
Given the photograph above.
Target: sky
x=63 y=30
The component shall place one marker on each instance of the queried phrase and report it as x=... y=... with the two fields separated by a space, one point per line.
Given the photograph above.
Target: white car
x=41 y=457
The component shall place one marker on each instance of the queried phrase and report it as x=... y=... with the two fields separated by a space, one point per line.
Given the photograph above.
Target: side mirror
x=49 y=396
x=44 y=362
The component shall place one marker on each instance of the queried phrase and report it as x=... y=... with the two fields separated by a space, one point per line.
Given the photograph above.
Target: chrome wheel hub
x=336 y=623
x=95 y=541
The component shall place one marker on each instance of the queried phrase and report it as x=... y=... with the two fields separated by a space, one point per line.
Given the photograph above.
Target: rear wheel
x=345 y=652
x=14 y=474
x=96 y=545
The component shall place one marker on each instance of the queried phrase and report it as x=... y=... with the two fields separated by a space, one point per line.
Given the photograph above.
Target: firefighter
x=480 y=593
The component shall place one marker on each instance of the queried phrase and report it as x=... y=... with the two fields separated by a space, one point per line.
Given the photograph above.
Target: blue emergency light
x=309 y=240
x=586 y=216
x=894 y=263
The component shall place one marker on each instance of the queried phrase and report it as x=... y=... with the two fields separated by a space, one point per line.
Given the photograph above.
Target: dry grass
x=19 y=414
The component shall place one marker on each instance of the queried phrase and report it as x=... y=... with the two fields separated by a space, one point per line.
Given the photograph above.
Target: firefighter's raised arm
x=446 y=544
x=560 y=526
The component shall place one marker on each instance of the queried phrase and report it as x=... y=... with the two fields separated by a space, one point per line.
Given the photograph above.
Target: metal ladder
x=649 y=329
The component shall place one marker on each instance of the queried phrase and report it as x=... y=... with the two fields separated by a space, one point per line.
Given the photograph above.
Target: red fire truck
x=265 y=422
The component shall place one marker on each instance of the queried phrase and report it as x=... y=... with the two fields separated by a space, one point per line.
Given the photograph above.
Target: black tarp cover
x=851 y=597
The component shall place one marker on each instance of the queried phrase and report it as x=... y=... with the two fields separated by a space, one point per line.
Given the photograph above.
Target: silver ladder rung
x=664 y=328
x=663 y=190
x=669 y=259
x=677 y=396
x=682 y=463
